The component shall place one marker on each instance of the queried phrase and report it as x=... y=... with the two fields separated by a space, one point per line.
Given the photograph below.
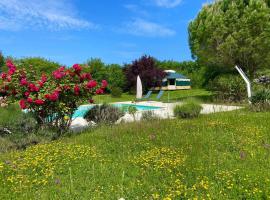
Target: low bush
x=14 y=121
x=228 y=88
x=148 y=116
x=260 y=101
x=104 y=114
x=191 y=108
x=116 y=92
x=18 y=130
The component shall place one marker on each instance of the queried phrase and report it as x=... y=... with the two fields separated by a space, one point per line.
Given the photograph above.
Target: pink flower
x=58 y=74
x=39 y=102
x=11 y=67
x=9 y=78
x=77 y=68
x=27 y=94
x=61 y=69
x=66 y=87
x=41 y=84
x=10 y=64
x=3 y=75
x=76 y=89
x=32 y=87
x=104 y=83
x=29 y=100
x=91 y=84
x=47 y=96
x=23 y=82
x=91 y=101
x=86 y=76
x=99 y=91
x=11 y=71
x=43 y=78
x=23 y=104
x=54 y=96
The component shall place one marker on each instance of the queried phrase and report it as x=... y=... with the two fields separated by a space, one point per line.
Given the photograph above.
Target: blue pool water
x=82 y=110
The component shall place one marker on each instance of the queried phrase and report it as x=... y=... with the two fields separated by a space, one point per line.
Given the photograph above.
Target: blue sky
x=117 y=31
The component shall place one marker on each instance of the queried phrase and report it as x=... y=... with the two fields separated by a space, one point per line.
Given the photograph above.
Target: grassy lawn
x=170 y=96
x=219 y=156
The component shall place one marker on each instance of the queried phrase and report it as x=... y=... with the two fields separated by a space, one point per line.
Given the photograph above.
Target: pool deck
x=165 y=112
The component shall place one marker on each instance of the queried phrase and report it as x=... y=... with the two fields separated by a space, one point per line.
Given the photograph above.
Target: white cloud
x=167 y=3
x=142 y=27
x=51 y=14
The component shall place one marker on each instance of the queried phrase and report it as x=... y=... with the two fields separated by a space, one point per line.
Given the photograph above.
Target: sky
x=117 y=31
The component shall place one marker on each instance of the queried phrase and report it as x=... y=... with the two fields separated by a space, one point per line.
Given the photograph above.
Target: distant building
x=174 y=81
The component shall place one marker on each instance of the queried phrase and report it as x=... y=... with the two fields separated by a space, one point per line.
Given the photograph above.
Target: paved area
x=165 y=112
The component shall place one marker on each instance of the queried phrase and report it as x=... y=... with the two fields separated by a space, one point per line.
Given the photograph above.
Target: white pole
x=247 y=81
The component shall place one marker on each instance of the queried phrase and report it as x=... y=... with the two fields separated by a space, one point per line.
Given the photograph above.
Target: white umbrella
x=139 y=88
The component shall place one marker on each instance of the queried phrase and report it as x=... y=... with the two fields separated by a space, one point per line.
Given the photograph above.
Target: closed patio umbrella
x=139 y=88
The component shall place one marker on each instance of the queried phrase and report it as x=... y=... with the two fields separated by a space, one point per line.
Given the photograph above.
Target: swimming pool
x=82 y=110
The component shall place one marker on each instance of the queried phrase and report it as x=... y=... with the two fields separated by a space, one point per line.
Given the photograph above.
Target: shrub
x=116 y=92
x=52 y=99
x=104 y=114
x=14 y=121
x=229 y=88
x=191 y=108
x=261 y=100
x=149 y=116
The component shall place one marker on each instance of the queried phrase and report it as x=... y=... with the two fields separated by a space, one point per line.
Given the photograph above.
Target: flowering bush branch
x=53 y=98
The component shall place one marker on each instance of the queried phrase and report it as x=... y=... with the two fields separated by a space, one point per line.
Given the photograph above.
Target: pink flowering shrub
x=52 y=98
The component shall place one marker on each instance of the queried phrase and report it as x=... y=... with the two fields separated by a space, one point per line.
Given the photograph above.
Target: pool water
x=82 y=110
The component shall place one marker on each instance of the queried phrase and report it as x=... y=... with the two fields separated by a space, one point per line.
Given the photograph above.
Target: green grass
x=218 y=156
x=170 y=96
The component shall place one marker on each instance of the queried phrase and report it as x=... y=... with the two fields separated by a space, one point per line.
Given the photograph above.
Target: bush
x=116 y=92
x=18 y=130
x=261 y=101
x=14 y=121
x=52 y=99
x=191 y=108
x=229 y=88
x=149 y=116
x=104 y=114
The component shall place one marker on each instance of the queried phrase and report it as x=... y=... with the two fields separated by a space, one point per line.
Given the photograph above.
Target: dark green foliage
x=116 y=77
x=146 y=67
x=228 y=33
x=116 y=92
x=2 y=61
x=190 y=108
x=104 y=114
x=229 y=88
x=113 y=73
x=261 y=100
x=97 y=69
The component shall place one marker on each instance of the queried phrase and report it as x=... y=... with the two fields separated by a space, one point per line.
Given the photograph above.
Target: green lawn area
x=170 y=96
x=218 y=156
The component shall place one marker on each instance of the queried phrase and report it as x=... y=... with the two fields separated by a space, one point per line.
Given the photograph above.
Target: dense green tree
x=116 y=77
x=113 y=73
x=232 y=32
x=2 y=61
x=97 y=69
